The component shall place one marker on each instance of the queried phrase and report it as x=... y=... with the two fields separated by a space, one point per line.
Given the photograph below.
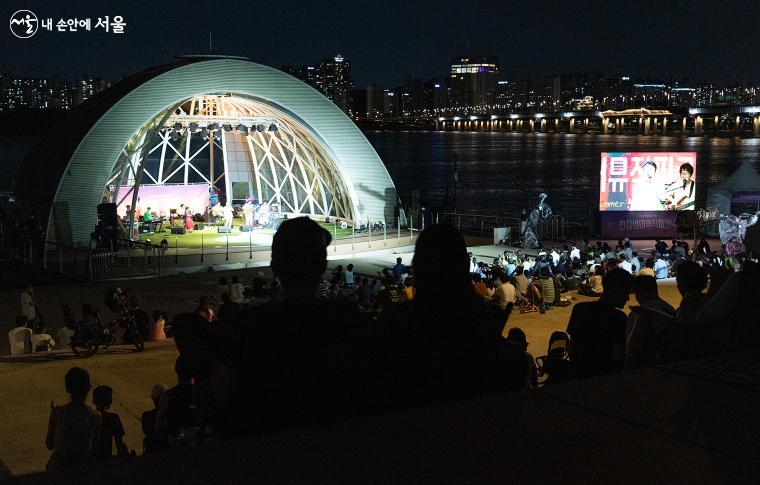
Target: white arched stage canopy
x=318 y=163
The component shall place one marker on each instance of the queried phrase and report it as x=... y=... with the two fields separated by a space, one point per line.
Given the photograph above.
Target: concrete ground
x=654 y=426
x=29 y=383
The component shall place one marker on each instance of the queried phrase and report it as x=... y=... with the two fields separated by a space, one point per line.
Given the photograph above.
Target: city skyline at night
x=674 y=40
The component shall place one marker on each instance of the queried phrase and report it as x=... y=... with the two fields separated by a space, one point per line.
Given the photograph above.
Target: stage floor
x=208 y=237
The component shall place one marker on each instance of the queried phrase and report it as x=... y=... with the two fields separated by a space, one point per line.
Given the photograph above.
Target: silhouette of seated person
x=688 y=337
x=176 y=417
x=597 y=328
x=294 y=363
x=731 y=313
x=447 y=343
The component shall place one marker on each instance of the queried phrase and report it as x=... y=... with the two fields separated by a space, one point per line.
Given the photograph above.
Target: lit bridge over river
x=709 y=120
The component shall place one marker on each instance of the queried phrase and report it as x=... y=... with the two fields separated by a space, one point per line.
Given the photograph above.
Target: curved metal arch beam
x=362 y=171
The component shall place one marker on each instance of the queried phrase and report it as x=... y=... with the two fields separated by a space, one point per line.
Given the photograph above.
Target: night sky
x=390 y=40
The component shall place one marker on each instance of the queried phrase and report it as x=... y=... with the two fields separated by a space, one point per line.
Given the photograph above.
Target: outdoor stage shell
x=65 y=174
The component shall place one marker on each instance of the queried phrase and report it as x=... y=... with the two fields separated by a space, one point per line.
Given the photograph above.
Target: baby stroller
x=555 y=367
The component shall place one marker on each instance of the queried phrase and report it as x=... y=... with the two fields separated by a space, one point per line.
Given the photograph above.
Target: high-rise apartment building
x=473 y=83
x=332 y=77
x=374 y=102
x=334 y=80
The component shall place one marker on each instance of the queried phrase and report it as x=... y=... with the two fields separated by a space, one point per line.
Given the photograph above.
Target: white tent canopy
x=744 y=179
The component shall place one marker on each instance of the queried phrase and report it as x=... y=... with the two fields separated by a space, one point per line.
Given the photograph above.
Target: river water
x=504 y=172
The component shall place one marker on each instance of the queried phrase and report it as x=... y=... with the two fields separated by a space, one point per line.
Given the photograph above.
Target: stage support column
x=647 y=122
x=585 y=125
x=756 y=126
x=716 y=125
x=737 y=125
x=227 y=178
x=698 y=125
x=572 y=124
x=604 y=125
x=664 y=125
x=683 y=125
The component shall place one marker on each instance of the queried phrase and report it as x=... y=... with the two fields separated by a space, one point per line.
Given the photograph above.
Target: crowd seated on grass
x=324 y=350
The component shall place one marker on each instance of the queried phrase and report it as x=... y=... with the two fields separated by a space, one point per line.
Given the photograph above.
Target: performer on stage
x=263 y=214
x=228 y=215
x=189 y=225
x=148 y=217
x=217 y=212
x=248 y=211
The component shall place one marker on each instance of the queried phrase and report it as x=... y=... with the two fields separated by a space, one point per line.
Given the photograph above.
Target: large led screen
x=641 y=181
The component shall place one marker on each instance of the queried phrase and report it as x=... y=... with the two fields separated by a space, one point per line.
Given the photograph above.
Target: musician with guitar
x=680 y=194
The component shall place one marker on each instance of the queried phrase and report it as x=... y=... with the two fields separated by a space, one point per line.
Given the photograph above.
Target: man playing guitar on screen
x=680 y=194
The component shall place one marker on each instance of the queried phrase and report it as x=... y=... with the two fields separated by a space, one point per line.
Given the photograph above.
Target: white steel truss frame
x=289 y=166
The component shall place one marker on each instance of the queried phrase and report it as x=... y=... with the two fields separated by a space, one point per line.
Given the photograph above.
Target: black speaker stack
x=108 y=220
x=178 y=230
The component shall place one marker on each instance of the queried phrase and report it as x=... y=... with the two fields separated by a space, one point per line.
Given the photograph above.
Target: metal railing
x=480 y=223
x=553 y=228
x=123 y=257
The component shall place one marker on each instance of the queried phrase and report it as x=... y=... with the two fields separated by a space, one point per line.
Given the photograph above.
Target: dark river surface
x=504 y=172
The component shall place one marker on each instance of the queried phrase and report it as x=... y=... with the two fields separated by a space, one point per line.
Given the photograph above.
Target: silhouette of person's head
x=183 y=367
x=441 y=264
x=617 y=285
x=690 y=277
x=77 y=383
x=299 y=254
x=645 y=288
x=192 y=336
x=102 y=397
x=516 y=337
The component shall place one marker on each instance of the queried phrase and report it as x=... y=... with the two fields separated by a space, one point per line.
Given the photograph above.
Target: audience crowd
x=304 y=349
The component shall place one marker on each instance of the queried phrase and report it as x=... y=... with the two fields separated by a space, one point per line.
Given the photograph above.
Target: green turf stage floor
x=209 y=238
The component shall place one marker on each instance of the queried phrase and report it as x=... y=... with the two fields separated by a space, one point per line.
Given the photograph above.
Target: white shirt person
x=646 y=194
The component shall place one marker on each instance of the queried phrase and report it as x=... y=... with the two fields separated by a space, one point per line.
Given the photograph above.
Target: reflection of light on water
x=503 y=172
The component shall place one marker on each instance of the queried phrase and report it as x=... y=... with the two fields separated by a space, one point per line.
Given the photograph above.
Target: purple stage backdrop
x=161 y=198
x=639 y=225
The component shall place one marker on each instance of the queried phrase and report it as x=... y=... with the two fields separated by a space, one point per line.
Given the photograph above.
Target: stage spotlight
x=194 y=127
x=213 y=126
x=228 y=128
x=178 y=126
x=204 y=132
x=242 y=128
x=260 y=128
x=272 y=127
